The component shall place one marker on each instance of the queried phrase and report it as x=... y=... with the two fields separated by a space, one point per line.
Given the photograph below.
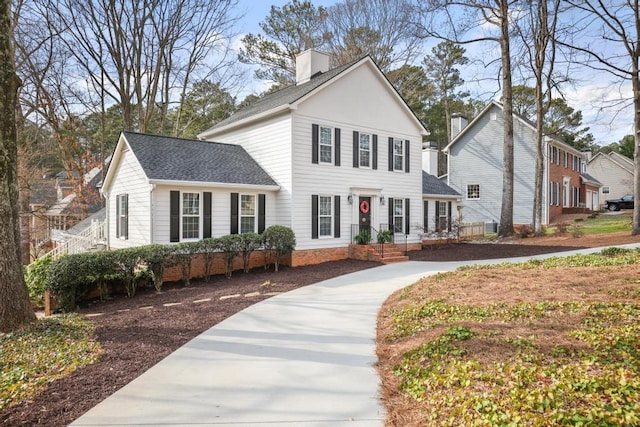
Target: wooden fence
x=471 y=230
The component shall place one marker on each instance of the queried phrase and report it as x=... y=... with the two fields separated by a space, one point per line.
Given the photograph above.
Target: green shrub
x=279 y=240
x=209 y=248
x=35 y=277
x=126 y=262
x=182 y=255
x=230 y=247
x=155 y=258
x=248 y=243
x=363 y=237
x=384 y=236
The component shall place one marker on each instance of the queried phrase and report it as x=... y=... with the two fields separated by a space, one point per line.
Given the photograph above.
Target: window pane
x=398 y=225
x=364 y=141
x=325 y=136
x=247 y=205
x=398 y=206
x=325 y=145
x=325 y=153
x=325 y=205
x=442 y=207
x=473 y=191
x=364 y=158
x=325 y=226
x=247 y=224
x=190 y=203
x=190 y=227
x=398 y=162
x=397 y=146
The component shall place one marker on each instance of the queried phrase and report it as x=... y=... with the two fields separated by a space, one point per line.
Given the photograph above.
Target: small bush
x=35 y=277
x=248 y=243
x=363 y=237
x=576 y=230
x=524 y=231
x=209 y=248
x=384 y=236
x=230 y=247
x=155 y=258
x=182 y=255
x=279 y=240
x=561 y=228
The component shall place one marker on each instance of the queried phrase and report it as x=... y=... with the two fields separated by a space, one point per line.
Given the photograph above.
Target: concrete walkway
x=304 y=358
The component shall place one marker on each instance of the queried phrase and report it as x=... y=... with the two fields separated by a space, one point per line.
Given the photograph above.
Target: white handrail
x=81 y=242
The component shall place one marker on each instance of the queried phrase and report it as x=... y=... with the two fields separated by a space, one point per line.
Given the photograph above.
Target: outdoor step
x=388 y=260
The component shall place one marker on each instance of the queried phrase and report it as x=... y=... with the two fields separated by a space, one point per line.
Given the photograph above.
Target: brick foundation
x=317 y=256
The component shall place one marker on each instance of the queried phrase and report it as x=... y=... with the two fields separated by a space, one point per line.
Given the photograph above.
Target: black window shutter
x=374 y=161
x=126 y=216
x=261 y=213
x=337 y=147
x=118 y=213
x=449 y=216
x=406 y=216
x=437 y=216
x=234 y=213
x=314 y=143
x=406 y=156
x=174 y=223
x=425 y=220
x=336 y=216
x=314 y=216
x=356 y=149
x=391 y=154
x=391 y=227
x=206 y=217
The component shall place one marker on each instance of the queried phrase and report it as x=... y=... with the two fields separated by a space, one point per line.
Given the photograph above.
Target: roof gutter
x=242 y=122
x=215 y=184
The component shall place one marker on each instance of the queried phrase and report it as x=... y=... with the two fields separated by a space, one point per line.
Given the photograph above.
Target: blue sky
x=587 y=94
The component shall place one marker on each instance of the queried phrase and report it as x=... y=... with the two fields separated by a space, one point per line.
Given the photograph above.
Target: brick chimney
x=309 y=63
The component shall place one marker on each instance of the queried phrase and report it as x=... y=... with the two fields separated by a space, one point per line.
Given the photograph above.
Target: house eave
x=441 y=196
x=258 y=187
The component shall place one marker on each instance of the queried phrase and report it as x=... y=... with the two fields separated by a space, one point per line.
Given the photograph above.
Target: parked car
x=624 y=202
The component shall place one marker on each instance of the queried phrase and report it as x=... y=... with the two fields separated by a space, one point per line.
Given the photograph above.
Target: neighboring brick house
x=475 y=170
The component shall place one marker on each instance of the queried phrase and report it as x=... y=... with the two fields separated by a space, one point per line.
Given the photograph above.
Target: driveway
x=304 y=358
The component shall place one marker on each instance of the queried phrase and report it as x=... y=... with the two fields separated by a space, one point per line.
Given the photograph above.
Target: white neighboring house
x=440 y=203
x=615 y=172
x=164 y=190
x=475 y=169
x=344 y=148
x=337 y=153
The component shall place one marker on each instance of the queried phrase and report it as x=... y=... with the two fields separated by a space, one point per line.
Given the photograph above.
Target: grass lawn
x=553 y=342
x=600 y=224
x=42 y=353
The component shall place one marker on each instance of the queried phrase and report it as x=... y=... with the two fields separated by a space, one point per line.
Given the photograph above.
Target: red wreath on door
x=364 y=206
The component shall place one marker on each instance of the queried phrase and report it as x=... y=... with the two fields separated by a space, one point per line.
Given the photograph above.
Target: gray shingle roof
x=177 y=159
x=589 y=178
x=284 y=96
x=432 y=185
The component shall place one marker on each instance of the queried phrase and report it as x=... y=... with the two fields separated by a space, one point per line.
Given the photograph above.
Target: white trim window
x=247 y=213
x=398 y=215
x=325 y=141
x=325 y=216
x=473 y=191
x=605 y=190
x=122 y=216
x=190 y=221
x=364 y=150
x=398 y=155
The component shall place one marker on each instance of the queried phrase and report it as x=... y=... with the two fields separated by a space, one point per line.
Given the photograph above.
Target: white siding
x=359 y=102
x=130 y=179
x=220 y=211
x=477 y=159
x=269 y=143
x=612 y=175
x=431 y=213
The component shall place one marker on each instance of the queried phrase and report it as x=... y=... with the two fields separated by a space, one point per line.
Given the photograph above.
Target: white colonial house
x=615 y=172
x=475 y=170
x=335 y=154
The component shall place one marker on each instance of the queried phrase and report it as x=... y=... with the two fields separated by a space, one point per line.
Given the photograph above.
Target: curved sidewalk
x=304 y=358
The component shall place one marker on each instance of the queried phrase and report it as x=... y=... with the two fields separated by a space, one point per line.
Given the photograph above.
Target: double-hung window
x=326 y=145
x=365 y=150
x=122 y=216
x=443 y=216
x=398 y=215
x=325 y=216
x=247 y=213
x=398 y=155
x=190 y=215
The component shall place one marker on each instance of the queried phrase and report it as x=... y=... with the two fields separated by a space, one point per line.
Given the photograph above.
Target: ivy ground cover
x=554 y=342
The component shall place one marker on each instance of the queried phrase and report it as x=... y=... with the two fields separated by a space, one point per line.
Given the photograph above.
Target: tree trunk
x=15 y=309
x=636 y=152
x=506 y=212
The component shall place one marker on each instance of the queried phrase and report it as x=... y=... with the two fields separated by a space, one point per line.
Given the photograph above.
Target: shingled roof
x=177 y=159
x=285 y=96
x=432 y=185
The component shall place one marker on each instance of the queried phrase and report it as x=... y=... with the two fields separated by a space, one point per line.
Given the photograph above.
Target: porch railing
x=366 y=234
x=84 y=241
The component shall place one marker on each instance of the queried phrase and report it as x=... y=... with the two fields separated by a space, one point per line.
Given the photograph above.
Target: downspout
x=151 y=215
x=107 y=218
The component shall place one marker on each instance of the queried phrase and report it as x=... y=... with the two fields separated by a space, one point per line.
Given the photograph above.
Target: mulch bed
x=138 y=332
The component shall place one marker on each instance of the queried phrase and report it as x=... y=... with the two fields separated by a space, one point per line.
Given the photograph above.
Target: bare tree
x=456 y=21
x=141 y=51
x=15 y=309
x=610 y=42
x=380 y=28
x=539 y=34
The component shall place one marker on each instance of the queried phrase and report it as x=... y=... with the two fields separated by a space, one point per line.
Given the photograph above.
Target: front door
x=364 y=213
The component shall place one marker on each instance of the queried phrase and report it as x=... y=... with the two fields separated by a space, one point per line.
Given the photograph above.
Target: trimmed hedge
x=71 y=277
